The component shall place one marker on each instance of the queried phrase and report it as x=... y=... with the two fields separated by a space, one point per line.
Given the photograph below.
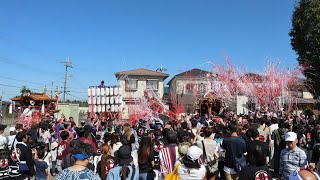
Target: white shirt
x=46 y=136
x=53 y=155
x=115 y=148
x=186 y=173
x=3 y=141
x=47 y=158
x=11 y=140
x=272 y=128
x=27 y=112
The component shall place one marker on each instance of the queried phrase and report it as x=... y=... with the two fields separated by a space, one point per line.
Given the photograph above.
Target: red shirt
x=86 y=140
x=62 y=150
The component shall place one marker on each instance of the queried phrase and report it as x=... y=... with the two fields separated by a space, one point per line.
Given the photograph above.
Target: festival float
x=33 y=107
x=105 y=101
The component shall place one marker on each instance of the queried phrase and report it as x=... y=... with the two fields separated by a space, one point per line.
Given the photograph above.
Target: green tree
x=305 y=40
x=24 y=90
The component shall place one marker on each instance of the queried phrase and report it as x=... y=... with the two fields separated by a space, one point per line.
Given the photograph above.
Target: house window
x=202 y=88
x=131 y=84
x=152 y=84
x=297 y=94
x=189 y=88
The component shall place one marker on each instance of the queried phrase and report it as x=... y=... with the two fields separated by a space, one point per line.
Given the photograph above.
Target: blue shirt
x=114 y=173
x=41 y=167
x=86 y=174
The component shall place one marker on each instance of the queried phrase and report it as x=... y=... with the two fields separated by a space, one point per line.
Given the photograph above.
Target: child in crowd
x=42 y=168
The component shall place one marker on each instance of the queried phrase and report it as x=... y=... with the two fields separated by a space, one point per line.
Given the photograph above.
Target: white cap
x=290 y=136
x=11 y=129
x=194 y=152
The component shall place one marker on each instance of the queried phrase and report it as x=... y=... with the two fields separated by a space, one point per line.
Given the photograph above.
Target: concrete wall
x=69 y=110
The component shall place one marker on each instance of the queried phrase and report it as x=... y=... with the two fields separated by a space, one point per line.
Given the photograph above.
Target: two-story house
x=189 y=88
x=192 y=89
x=135 y=82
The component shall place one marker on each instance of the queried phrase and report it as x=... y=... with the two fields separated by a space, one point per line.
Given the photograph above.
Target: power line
x=26 y=67
x=7 y=85
x=76 y=97
x=25 y=47
x=21 y=80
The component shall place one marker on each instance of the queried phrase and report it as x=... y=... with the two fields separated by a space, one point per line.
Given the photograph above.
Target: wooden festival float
x=34 y=107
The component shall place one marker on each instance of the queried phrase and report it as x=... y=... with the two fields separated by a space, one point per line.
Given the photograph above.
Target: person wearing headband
x=81 y=153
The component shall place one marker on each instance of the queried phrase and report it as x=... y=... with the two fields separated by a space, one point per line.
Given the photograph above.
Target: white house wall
x=139 y=93
x=241 y=105
x=307 y=95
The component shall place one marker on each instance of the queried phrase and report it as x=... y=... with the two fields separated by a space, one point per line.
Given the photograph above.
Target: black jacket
x=26 y=155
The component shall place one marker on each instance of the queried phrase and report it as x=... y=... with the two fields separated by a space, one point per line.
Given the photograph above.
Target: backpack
x=282 y=144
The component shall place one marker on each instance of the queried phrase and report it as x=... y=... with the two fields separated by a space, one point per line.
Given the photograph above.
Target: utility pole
x=51 y=89
x=1 y=115
x=68 y=64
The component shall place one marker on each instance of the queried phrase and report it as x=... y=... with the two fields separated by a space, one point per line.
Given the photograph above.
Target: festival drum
x=98 y=92
x=94 y=100
x=116 y=100
x=93 y=91
x=111 y=100
x=112 y=108
x=107 y=91
x=111 y=91
x=120 y=99
x=103 y=108
x=89 y=92
x=102 y=91
x=103 y=100
x=120 y=91
x=98 y=99
x=107 y=100
x=115 y=91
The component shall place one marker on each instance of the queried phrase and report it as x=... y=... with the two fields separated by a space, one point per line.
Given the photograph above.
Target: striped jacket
x=168 y=156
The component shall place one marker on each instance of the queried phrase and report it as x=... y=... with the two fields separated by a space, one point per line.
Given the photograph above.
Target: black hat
x=124 y=155
x=2 y=127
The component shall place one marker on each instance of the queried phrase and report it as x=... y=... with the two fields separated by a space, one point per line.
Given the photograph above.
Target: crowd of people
x=253 y=147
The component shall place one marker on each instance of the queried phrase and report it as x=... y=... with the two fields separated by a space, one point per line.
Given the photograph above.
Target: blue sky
x=102 y=37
